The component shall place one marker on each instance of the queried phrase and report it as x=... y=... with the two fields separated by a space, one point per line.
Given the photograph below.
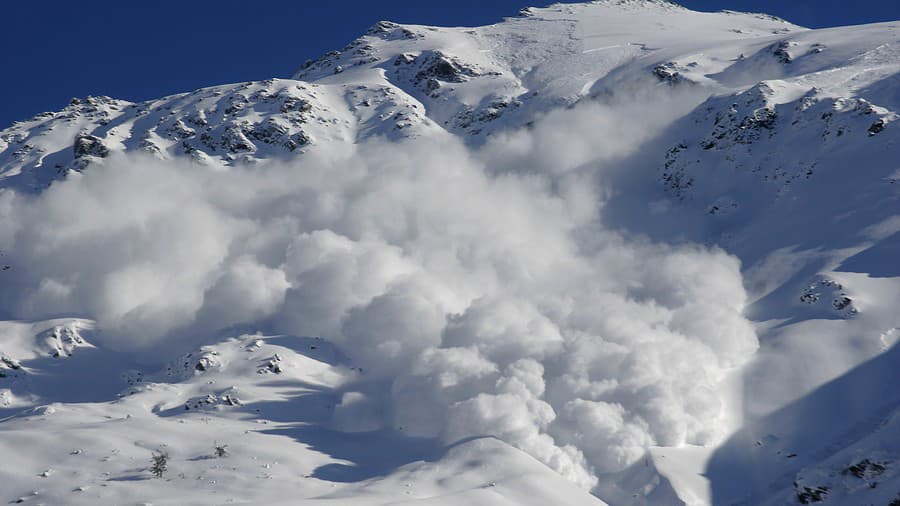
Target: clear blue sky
x=139 y=49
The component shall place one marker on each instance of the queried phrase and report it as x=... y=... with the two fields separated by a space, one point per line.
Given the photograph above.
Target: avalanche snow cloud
x=477 y=291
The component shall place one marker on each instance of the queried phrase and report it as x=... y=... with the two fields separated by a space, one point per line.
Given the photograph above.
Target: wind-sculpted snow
x=490 y=301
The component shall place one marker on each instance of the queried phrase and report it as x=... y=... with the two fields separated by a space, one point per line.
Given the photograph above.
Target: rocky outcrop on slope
x=766 y=131
x=226 y=123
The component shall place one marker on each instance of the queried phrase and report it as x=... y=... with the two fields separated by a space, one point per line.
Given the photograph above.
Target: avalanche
x=615 y=252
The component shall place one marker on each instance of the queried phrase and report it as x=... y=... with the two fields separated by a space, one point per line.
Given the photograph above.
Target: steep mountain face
x=665 y=172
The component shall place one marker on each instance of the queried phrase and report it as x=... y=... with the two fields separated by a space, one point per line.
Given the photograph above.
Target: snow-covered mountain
x=616 y=251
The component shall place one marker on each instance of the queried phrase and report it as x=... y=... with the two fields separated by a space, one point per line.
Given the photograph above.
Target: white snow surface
x=615 y=252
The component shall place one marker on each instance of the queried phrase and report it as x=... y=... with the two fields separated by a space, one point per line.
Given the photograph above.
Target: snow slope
x=528 y=249
x=266 y=398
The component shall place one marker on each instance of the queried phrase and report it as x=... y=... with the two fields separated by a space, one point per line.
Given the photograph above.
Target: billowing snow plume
x=476 y=299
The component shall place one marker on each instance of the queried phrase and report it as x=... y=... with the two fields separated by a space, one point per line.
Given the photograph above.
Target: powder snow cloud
x=478 y=290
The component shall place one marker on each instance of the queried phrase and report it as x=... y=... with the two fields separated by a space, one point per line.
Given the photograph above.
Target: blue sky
x=135 y=50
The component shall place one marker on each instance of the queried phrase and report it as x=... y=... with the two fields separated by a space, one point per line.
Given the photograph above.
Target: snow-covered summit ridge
x=396 y=81
x=408 y=80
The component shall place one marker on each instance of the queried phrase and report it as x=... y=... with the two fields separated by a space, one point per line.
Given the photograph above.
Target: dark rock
x=865 y=469
x=269 y=131
x=181 y=131
x=780 y=51
x=816 y=48
x=761 y=118
x=668 y=73
x=809 y=298
x=841 y=302
x=876 y=127
x=404 y=59
x=272 y=366
x=808 y=495
x=297 y=140
x=89 y=145
x=294 y=104
x=234 y=140
x=435 y=65
x=10 y=363
x=382 y=27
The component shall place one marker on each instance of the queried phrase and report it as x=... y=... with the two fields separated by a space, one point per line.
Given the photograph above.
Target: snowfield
x=616 y=252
